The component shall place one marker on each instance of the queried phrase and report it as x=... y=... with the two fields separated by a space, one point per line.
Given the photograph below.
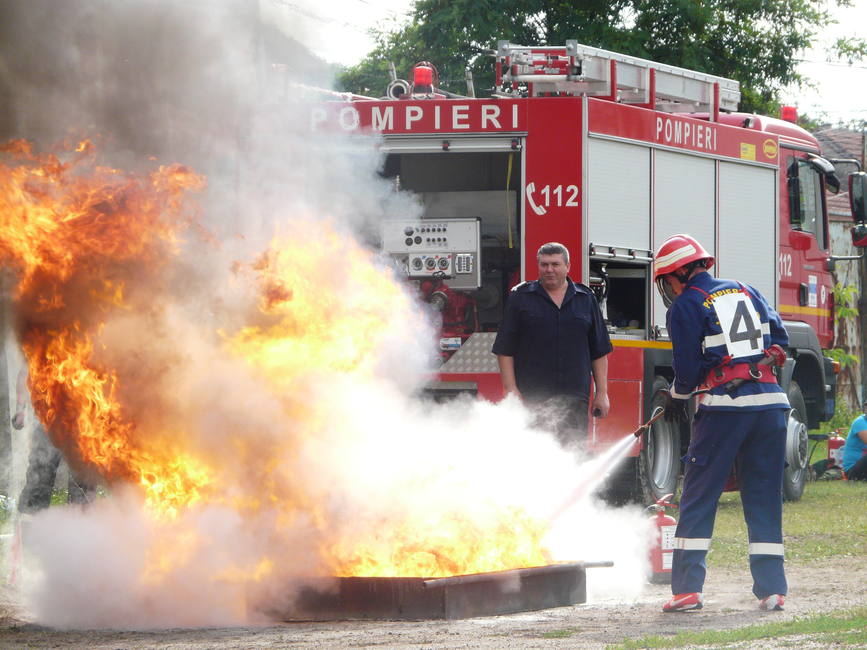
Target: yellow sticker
x=769 y=147
x=748 y=151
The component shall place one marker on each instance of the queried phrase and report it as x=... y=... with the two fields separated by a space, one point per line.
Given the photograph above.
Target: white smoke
x=385 y=458
x=380 y=453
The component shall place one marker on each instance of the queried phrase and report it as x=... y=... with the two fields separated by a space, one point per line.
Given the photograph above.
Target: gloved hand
x=675 y=409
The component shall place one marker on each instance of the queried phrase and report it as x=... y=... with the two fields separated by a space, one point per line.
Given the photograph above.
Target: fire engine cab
x=609 y=155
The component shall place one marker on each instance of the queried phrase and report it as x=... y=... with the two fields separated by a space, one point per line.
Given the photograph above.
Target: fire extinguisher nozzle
x=657 y=413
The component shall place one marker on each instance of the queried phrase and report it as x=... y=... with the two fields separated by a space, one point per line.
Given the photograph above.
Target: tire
x=658 y=463
x=795 y=473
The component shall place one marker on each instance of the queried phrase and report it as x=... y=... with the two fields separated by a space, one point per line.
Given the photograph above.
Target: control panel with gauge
x=436 y=248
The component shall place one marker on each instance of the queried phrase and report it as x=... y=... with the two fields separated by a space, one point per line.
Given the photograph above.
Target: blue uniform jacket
x=553 y=348
x=714 y=318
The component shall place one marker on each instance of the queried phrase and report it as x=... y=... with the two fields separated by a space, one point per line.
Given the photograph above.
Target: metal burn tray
x=467 y=596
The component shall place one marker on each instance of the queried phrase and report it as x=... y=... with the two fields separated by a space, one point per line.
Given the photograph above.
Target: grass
x=841 y=628
x=58 y=498
x=822 y=524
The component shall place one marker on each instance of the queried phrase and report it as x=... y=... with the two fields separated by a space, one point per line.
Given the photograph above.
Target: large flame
x=76 y=233
x=88 y=244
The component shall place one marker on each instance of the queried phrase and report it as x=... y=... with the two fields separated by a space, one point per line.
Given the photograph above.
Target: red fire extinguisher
x=662 y=549
x=835 y=450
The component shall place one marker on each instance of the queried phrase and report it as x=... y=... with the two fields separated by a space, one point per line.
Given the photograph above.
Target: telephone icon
x=538 y=209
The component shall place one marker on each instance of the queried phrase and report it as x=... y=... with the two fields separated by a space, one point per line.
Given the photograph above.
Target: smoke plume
x=252 y=365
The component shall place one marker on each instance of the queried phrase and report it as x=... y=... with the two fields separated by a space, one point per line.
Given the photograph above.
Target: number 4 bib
x=740 y=323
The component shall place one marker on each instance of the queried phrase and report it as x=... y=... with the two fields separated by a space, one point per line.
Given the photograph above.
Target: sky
x=338 y=32
x=841 y=93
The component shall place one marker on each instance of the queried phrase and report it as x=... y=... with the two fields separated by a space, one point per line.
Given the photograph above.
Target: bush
x=842 y=419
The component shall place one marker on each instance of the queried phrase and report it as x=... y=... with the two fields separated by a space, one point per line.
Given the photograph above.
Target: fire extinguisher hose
x=658 y=412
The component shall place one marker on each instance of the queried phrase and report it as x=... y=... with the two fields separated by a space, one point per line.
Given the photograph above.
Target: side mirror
x=827 y=170
x=857 y=191
x=795 y=216
x=859 y=235
x=800 y=240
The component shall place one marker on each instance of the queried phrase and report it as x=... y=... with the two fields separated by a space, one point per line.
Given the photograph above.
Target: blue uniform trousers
x=758 y=440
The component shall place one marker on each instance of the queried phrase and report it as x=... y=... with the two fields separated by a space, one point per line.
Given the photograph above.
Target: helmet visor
x=665 y=291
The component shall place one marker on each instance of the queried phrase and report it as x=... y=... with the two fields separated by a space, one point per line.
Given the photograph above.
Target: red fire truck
x=608 y=154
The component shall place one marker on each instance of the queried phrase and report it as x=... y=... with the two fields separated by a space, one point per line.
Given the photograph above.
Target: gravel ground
x=729 y=604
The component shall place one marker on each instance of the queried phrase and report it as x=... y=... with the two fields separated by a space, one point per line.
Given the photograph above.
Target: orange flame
x=447 y=547
x=317 y=323
x=75 y=233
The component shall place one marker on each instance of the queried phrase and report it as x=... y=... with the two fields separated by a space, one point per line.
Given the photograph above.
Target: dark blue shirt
x=552 y=346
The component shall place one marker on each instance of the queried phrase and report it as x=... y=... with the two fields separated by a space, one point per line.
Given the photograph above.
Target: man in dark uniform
x=723 y=336
x=43 y=463
x=551 y=340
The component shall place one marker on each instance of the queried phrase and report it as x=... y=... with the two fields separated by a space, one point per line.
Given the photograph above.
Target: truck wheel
x=659 y=460
x=795 y=473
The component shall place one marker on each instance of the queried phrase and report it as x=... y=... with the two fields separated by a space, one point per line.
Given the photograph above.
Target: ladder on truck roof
x=583 y=70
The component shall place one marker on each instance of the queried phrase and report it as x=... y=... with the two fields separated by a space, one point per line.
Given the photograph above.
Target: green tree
x=757 y=42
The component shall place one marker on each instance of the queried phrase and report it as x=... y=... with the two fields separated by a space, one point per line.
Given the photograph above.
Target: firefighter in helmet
x=729 y=342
